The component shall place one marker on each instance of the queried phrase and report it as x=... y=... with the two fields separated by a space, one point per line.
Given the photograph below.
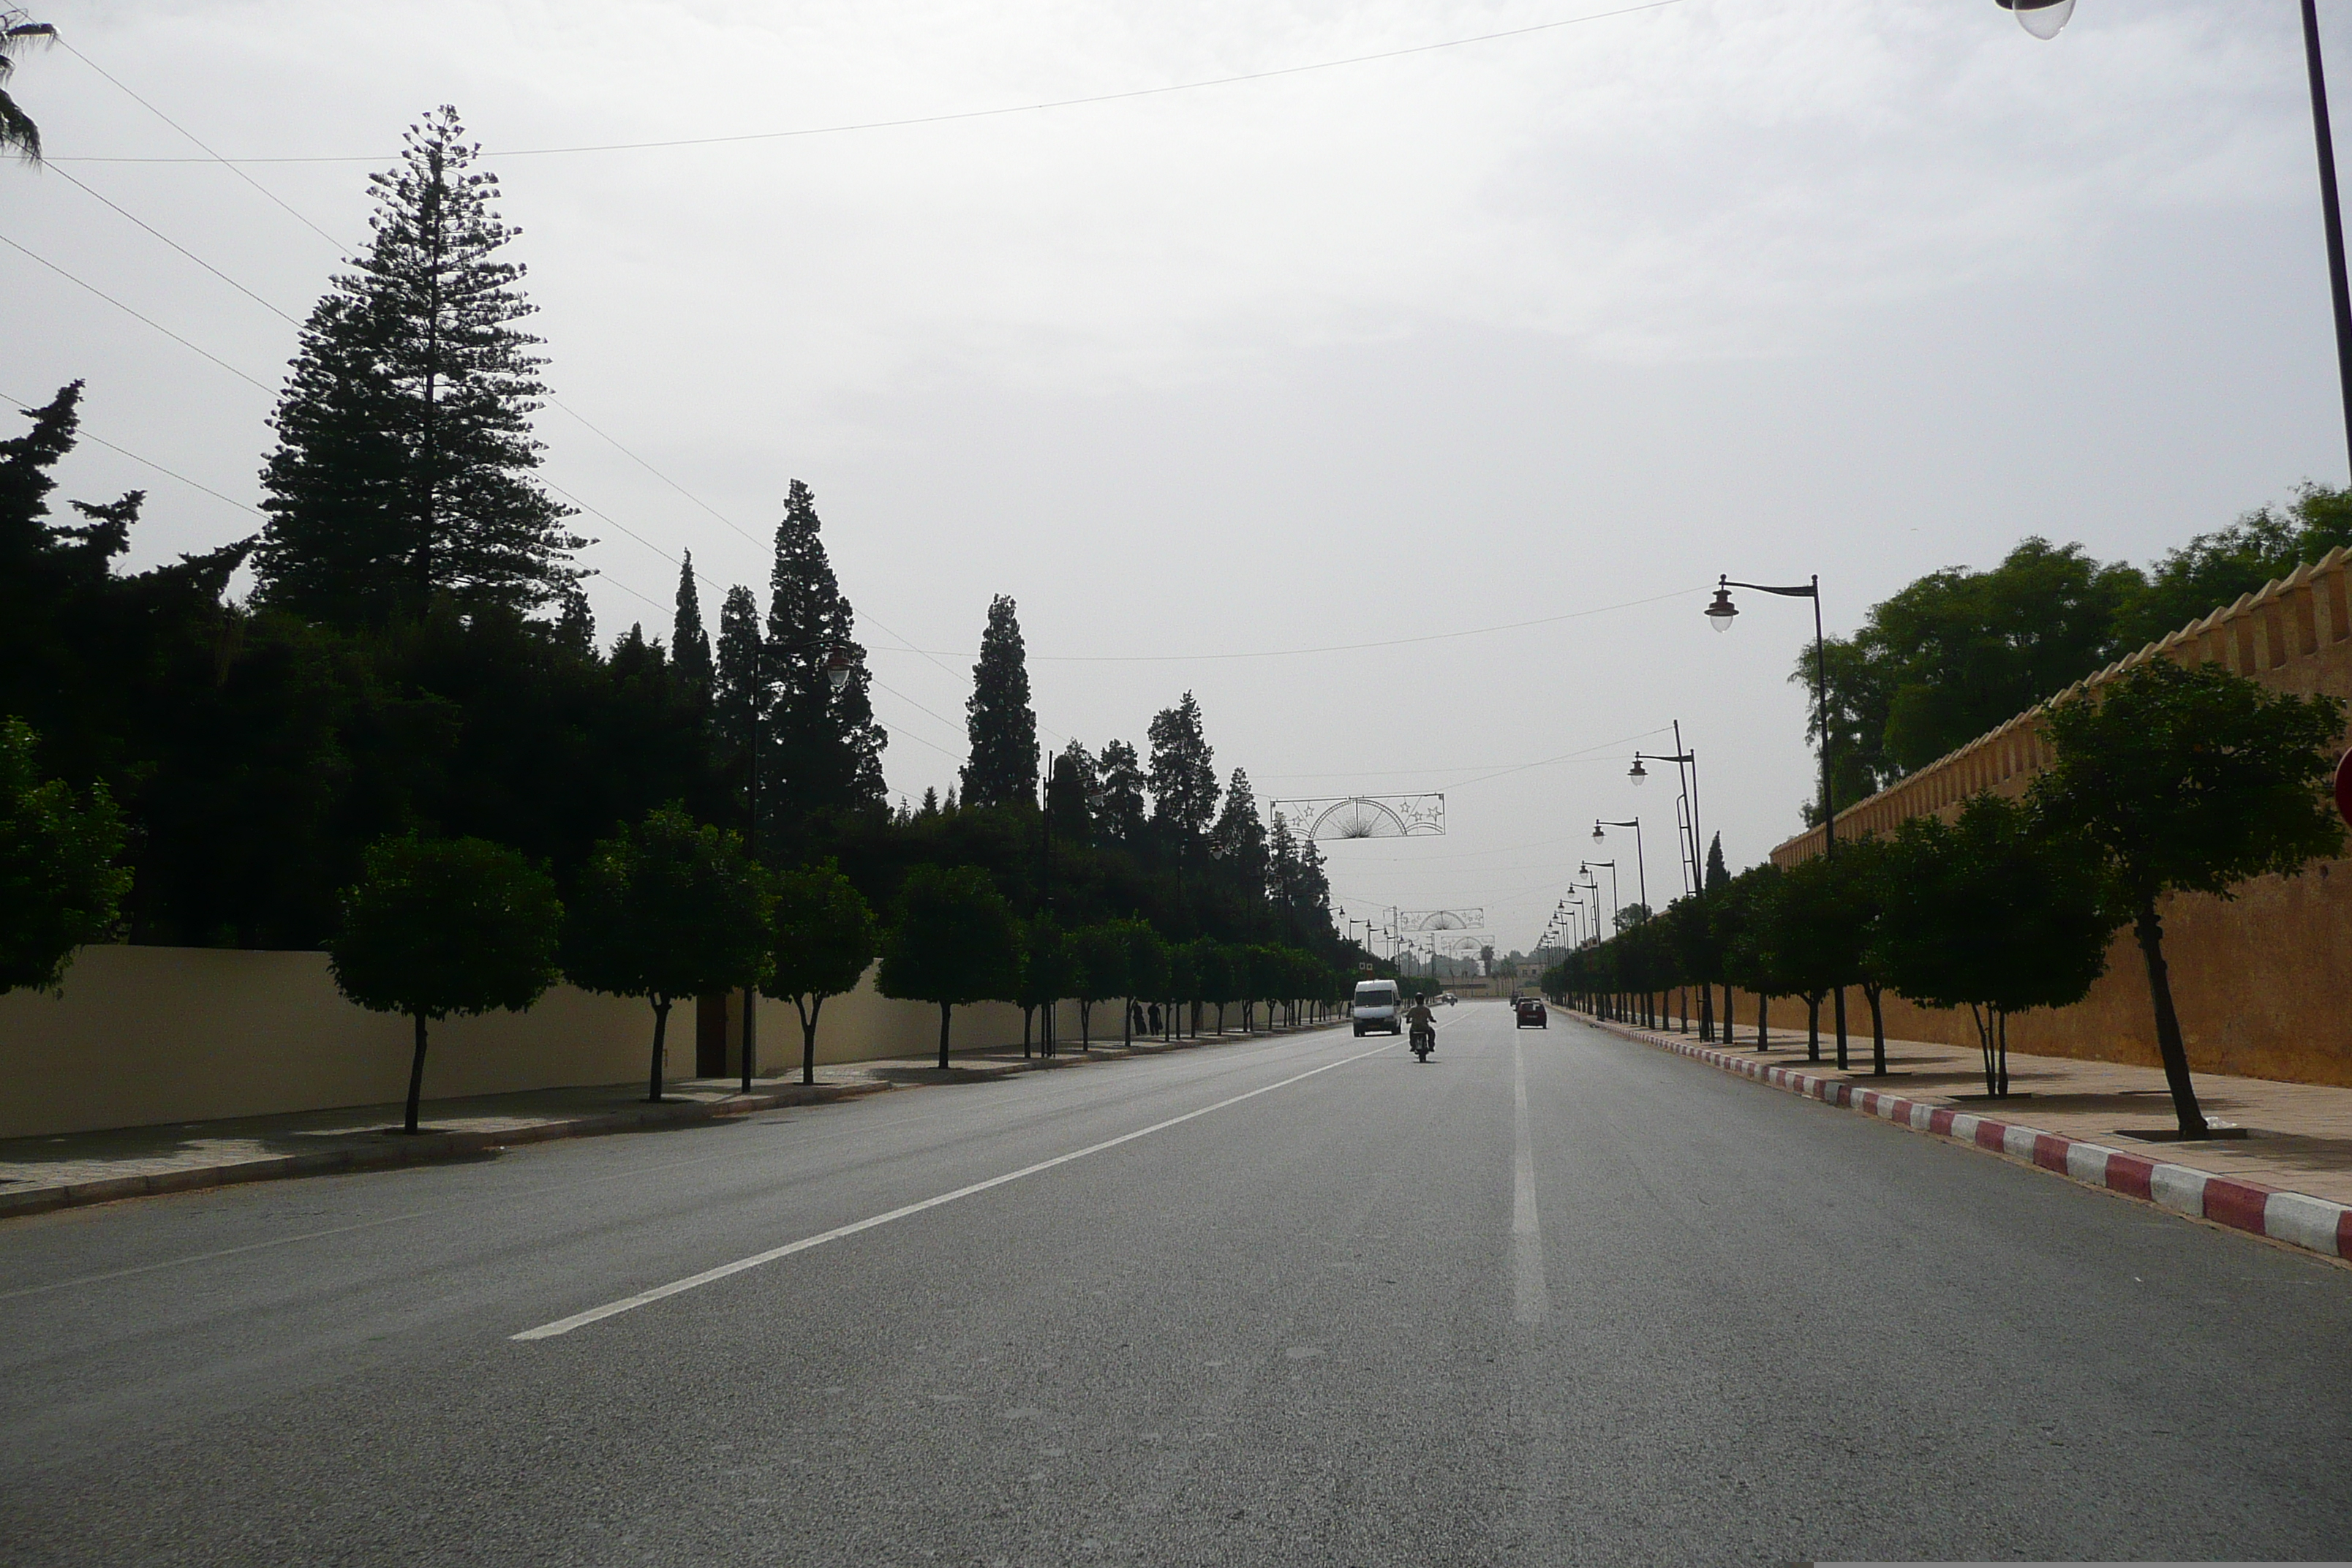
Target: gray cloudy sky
x=1549 y=323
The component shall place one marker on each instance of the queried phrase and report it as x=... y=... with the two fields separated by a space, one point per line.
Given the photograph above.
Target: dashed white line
x=1529 y=1299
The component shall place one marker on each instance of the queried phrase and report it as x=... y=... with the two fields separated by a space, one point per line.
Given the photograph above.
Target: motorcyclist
x=1418 y=1016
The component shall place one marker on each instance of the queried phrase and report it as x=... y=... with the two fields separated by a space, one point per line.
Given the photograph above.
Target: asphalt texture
x=1550 y=1298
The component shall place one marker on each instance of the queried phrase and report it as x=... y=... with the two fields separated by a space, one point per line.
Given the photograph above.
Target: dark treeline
x=1959 y=652
x=416 y=658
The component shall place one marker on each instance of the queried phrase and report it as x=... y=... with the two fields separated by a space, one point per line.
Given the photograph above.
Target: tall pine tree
x=404 y=463
x=823 y=750
x=1121 y=812
x=738 y=695
x=1238 y=841
x=689 y=644
x=997 y=717
x=1183 y=776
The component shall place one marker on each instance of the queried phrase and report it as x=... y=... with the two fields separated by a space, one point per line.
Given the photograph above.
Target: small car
x=1531 y=1011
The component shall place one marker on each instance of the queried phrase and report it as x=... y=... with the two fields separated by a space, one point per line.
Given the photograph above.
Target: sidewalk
x=2079 y=1119
x=69 y=1170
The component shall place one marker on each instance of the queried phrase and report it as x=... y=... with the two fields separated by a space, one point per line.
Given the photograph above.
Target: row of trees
x=417 y=658
x=671 y=909
x=1957 y=652
x=2165 y=780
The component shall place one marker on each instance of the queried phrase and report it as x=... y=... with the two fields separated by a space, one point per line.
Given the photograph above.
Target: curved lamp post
x=2043 y=18
x=1640 y=862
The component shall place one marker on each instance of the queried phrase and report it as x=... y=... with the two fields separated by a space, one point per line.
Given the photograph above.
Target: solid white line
x=1530 y=1299
x=710 y=1276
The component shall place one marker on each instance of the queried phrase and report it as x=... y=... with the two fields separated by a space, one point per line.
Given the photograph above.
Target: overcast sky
x=1560 y=322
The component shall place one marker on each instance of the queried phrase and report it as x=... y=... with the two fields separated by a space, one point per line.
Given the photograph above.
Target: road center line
x=711 y=1276
x=1530 y=1299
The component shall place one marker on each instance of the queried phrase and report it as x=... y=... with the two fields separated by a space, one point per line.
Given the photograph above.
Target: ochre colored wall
x=2260 y=980
x=143 y=1036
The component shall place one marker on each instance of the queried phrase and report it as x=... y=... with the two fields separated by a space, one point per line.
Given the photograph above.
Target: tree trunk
x=1126 y=1024
x=945 y=1007
x=2001 y=1025
x=1874 y=994
x=1763 y=1022
x=661 y=1031
x=808 y=1040
x=1813 y=1027
x=1085 y=1025
x=415 y=1074
x=1028 y=1016
x=1983 y=1019
x=2149 y=929
x=1730 y=1016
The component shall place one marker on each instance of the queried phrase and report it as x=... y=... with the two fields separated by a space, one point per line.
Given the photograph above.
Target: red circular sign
x=2344 y=786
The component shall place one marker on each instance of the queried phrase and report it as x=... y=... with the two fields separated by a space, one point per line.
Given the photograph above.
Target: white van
x=1377 y=1007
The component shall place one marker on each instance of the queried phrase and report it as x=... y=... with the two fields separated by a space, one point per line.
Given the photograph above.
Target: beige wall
x=2260 y=980
x=144 y=1036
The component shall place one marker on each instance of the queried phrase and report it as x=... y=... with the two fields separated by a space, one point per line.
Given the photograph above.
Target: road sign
x=2344 y=786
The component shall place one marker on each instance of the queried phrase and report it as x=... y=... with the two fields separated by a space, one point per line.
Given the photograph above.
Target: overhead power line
x=127 y=311
x=1001 y=110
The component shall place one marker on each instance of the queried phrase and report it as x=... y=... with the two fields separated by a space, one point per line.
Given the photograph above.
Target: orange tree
x=2189 y=781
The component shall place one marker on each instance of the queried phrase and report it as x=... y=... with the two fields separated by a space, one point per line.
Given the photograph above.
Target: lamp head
x=1720 y=613
x=2043 y=19
x=1638 y=773
x=836 y=669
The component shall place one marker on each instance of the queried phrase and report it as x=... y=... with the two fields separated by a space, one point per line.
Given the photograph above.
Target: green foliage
x=1098 y=962
x=1957 y=652
x=1147 y=959
x=435 y=927
x=1046 y=965
x=403 y=466
x=690 y=643
x=19 y=133
x=998 y=719
x=1828 y=911
x=823 y=750
x=2193 y=780
x=1993 y=912
x=1121 y=812
x=59 y=885
x=1183 y=777
x=666 y=908
x=1238 y=842
x=955 y=942
x=822 y=938
x=2215 y=569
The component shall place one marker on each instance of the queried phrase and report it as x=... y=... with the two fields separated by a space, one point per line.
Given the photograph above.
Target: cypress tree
x=403 y=466
x=1003 y=729
x=738 y=695
x=1239 y=838
x=1183 y=775
x=1122 y=814
x=824 y=749
x=689 y=644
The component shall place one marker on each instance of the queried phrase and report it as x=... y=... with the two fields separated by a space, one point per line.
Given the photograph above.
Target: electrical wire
x=127 y=311
x=997 y=113
x=83 y=435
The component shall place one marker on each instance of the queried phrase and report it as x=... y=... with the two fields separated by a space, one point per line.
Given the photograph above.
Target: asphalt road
x=1552 y=1298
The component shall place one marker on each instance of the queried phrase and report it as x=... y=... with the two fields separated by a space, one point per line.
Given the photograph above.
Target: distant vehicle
x=1531 y=1011
x=1377 y=1007
x=1448 y=998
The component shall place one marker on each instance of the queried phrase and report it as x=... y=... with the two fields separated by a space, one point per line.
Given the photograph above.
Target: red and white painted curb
x=2295 y=1218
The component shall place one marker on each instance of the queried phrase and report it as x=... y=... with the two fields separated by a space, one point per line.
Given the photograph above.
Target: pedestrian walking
x=1155 y=1018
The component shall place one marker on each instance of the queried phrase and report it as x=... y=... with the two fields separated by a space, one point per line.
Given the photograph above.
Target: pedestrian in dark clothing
x=1155 y=1017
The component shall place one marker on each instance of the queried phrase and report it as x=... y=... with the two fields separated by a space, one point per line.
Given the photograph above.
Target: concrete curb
x=2296 y=1219
x=426 y=1148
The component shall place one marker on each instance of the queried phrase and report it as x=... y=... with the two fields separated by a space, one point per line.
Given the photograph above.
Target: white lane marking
x=710 y=1276
x=1530 y=1299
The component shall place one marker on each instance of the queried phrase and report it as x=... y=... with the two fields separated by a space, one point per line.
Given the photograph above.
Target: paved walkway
x=70 y=1168
x=2298 y=1135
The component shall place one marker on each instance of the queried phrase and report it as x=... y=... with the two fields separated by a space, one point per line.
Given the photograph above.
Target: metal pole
x=1829 y=814
x=751 y=848
x=2330 y=211
x=1641 y=868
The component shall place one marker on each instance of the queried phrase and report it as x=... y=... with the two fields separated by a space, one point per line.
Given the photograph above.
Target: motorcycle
x=1425 y=1040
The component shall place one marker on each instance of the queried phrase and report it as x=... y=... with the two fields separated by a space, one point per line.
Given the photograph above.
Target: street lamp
x=2043 y=19
x=1587 y=868
x=1685 y=803
x=1720 y=613
x=1640 y=862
